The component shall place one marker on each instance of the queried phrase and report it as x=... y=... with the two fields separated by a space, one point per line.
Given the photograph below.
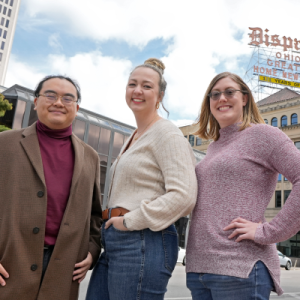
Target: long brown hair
x=208 y=125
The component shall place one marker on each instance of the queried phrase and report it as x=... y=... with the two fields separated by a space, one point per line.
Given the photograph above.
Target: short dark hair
x=40 y=85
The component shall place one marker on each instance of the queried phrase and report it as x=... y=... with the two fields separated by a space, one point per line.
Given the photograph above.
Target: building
x=9 y=10
x=282 y=110
x=105 y=135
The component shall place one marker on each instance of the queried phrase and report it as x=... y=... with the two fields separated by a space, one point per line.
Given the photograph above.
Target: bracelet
x=124 y=223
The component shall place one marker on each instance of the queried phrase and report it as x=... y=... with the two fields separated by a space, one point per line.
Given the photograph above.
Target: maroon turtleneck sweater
x=58 y=162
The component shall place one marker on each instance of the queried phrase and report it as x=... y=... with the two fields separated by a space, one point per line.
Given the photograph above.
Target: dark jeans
x=47 y=256
x=257 y=286
x=135 y=265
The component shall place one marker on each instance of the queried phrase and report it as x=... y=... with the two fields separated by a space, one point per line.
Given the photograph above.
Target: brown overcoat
x=23 y=205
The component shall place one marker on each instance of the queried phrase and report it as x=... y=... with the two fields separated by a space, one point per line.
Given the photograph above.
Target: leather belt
x=115 y=212
x=47 y=247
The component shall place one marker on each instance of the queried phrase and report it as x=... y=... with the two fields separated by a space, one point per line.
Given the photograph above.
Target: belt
x=115 y=212
x=47 y=247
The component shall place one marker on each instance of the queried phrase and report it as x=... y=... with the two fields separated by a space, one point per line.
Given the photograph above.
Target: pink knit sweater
x=237 y=178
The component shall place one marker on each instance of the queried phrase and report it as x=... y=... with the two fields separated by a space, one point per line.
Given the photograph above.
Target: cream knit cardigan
x=155 y=178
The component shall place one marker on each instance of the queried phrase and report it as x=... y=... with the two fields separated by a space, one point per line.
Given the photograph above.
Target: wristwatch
x=124 y=223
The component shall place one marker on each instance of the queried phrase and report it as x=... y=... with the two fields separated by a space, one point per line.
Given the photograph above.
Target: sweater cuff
x=259 y=236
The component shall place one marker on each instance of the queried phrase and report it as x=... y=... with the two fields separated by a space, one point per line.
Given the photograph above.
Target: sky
x=99 y=42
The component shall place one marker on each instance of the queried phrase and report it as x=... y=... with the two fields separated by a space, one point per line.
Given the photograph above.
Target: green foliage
x=3 y=128
x=4 y=105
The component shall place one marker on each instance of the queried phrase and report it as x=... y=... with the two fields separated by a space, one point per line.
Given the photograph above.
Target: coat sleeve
x=176 y=161
x=96 y=218
x=284 y=159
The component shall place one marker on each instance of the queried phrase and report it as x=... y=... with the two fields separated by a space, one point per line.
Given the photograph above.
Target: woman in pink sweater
x=231 y=251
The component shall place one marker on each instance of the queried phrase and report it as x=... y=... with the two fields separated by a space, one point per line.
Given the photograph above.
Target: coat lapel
x=79 y=157
x=31 y=146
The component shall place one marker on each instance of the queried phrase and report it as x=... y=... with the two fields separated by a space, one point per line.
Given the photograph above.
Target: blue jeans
x=134 y=264
x=257 y=286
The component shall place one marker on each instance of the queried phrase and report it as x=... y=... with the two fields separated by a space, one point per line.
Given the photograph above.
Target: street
x=290 y=282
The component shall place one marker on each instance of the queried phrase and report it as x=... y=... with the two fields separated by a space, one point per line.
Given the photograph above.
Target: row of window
x=192 y=140
x=5 y=10
x=278 y=197
x=3 y=21
x=284 y=121
x=11 y=2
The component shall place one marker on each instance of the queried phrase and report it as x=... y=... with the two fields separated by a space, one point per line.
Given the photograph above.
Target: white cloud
x=204 y=35
x=54 y=42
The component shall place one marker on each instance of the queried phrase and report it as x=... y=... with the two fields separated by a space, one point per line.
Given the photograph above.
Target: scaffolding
x=260 y=57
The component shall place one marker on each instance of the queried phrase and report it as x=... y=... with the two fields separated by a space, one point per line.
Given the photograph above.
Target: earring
x=157 y=105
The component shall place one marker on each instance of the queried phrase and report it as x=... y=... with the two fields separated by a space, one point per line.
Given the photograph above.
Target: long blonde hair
x=208 y=125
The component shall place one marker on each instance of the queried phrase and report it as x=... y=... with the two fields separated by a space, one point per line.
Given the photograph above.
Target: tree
x=4 y=106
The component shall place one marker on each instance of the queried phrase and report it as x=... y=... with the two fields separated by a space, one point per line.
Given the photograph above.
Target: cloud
x=207 y=37
x=54 y=42
x=102 y=80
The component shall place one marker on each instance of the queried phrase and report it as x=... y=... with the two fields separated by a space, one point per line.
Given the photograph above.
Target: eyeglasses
x=52 y=97
x=229 y=93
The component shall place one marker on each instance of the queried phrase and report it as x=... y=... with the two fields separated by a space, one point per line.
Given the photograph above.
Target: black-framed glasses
x=52 y=97
x=229 y=93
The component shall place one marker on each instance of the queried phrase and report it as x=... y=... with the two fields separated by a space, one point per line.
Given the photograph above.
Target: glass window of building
x=6 y=1
x=274 y=122
x=2 y=45
x=297 y=144
x=118 y=143
x=79 y=128
x=2 y=21
x=7 y=23
x=266 y=121
x=294 y=119
x=0 y=8
x=4 y=34
x=283 y=121
x=279 y=177
x=9 y=12
x=4 y=10
x=286 y=194
x=19 y=114
x=11 y=2
x=0 y=56
x=192 y=140
x=103 y=147
x=198 y=141
x=33 y=115
x=278 y=199
x=93 y=138
x=0 y=31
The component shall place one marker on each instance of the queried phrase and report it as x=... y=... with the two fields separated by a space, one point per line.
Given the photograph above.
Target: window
x=286 y=194
x=4 y=34
x=94 y=132
x=266 y=121
x=4 y=10
x=198 y=141
x=9 y=12
x=2 y=21
x=11 y=2
x=7 y=23
x=104 y=141
x=297 y=144
x=278 y=199
x=279 y=177
x=2 y=45
x=283 y=121
x=294 y=119
x=19 y=114
x=0 y=7
x=285 y=179
x=6 y=1
x=0 y=32
x=274 y=122
x=79 y=128
x=0 y=56
x=118 y=143
x=191 y=140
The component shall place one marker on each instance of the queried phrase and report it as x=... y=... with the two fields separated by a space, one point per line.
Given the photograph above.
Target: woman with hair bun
x=231 y=251
x=153 y=184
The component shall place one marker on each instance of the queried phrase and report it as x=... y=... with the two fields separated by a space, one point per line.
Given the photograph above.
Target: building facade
x=282 y=110
x=9 y=10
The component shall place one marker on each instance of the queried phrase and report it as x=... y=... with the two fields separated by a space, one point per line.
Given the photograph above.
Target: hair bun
x=156 y=63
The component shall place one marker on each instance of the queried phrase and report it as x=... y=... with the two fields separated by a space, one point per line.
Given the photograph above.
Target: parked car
x=284 y=261
x=181 y=256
